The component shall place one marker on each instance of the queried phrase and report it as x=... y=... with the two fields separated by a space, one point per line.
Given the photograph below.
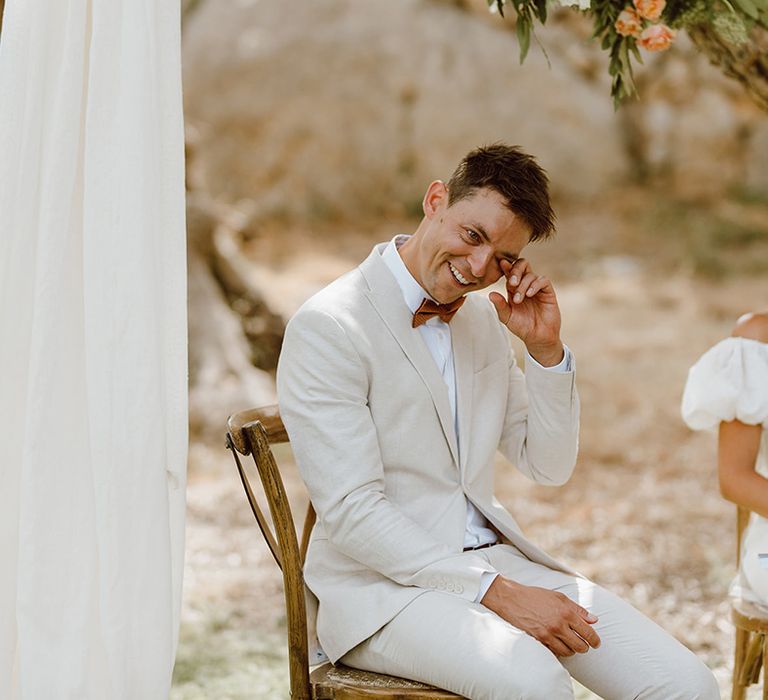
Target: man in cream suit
x=396 y=398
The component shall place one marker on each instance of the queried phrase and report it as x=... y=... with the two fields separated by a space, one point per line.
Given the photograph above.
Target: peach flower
x=628 y=23
x=657 y=37
x=650 y=9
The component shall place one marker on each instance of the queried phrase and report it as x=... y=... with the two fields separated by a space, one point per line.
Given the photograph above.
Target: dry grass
x=641 y=515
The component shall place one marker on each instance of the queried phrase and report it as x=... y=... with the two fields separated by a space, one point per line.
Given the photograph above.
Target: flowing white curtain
x=93 y=409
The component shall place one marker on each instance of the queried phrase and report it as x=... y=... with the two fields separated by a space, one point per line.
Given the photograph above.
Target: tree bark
x=747 y=63
x=262 y=327
x=222 y=377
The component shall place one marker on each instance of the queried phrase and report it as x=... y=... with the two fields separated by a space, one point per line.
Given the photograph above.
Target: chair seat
x=341 y=682
x=749 y=616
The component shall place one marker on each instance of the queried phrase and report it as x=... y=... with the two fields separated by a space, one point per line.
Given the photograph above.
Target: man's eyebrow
x=481 y=231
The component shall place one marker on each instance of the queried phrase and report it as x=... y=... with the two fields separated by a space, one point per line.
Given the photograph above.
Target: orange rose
x=650 y=9
x=657 y=37
x=628 y=23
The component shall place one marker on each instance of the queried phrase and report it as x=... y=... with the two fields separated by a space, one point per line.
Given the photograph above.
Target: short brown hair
x=513 y=174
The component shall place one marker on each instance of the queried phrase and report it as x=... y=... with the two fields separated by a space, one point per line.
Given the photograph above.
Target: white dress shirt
x=437 y=337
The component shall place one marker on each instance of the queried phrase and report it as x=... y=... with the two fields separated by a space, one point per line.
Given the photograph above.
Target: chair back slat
x=248 y=434
x=264 y=526
x=309 y=522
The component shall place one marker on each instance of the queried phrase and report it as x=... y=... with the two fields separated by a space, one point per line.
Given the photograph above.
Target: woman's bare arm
x=739 y=443
x=736 y=455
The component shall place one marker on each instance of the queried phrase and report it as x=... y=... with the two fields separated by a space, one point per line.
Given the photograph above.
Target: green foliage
x=619 y=49
x=687 y=13
x=731 y=19
x=527 y=11
x=730 y=27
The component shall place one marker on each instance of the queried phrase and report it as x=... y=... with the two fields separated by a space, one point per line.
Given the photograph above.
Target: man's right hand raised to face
x=530 y=311
x=561 y=625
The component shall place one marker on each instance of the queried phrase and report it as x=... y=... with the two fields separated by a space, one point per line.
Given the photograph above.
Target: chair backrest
x=251 y=433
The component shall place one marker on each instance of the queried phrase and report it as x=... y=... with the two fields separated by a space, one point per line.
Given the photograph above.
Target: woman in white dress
x=728 y=389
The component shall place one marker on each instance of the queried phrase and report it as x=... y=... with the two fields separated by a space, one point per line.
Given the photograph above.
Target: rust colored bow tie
x=429 y=308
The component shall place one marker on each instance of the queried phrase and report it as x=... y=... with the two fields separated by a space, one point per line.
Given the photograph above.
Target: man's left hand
x=530 y=311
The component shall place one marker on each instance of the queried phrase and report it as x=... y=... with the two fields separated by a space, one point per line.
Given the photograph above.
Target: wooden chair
x=251 y=433
x=751 y=622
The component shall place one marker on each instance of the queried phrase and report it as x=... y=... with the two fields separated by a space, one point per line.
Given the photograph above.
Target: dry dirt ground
x=641 y=515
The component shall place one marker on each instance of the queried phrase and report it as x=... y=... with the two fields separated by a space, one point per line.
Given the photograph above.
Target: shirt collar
x=412 y=290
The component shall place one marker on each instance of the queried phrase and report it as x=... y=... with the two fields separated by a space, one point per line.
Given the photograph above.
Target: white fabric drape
x=93 y=410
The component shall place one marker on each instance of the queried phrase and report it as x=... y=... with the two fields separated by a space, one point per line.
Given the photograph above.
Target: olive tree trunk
x=225 y=345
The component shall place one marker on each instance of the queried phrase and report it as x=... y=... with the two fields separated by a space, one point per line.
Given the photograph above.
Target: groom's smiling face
x=459 y=248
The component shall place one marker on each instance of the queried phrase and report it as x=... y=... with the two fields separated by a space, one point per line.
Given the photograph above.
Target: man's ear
x=435 y=198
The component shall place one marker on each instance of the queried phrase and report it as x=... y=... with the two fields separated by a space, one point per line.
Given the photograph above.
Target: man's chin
x=450 y=291
x=449 y=298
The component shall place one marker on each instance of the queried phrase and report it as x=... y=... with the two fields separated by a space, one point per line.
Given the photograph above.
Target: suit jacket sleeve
x=541 y=426
x=322 y=388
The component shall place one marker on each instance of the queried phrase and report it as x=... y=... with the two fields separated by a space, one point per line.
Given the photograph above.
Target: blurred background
x=313 y=130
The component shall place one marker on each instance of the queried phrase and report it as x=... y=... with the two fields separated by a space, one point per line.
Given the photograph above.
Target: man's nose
x=479 y=260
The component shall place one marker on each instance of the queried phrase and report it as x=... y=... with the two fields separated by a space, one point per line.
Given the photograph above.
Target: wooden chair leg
x=740 y=657
x=740 y=652
x=754 y=660
x=753 y=664
x=765 y=668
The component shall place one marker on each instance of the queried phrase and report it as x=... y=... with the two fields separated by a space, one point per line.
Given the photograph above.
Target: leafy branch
x=623 y=27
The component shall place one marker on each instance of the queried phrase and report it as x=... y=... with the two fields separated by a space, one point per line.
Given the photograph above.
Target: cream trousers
x=463 y=647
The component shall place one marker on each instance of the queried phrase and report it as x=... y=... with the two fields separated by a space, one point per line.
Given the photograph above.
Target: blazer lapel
x=462 y=340
x=387 y=298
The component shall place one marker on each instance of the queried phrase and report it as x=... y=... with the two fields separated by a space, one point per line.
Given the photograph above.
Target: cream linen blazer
x=370 y=422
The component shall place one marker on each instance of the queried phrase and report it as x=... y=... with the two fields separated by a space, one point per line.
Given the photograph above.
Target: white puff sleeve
x=729 y=382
